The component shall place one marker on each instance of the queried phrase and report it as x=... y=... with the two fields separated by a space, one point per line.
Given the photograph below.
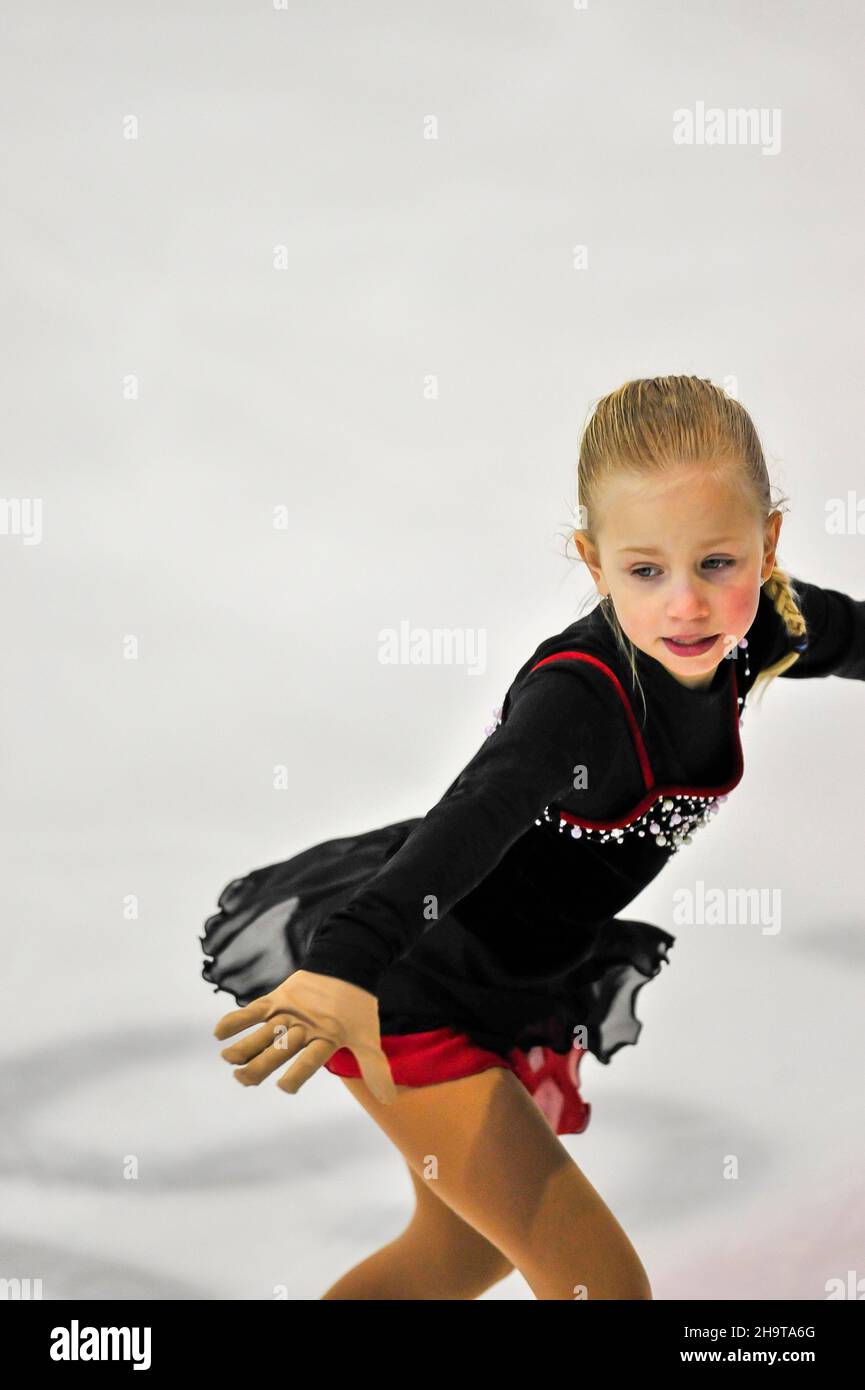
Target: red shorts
x=444 y=1054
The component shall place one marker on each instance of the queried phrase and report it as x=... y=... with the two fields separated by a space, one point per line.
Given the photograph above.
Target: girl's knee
x=447 y=1242
x=576 y=1249
x=486 y=1273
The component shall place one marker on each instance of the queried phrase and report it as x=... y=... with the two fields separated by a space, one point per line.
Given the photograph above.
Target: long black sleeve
x=836 y=635
x=526 y=763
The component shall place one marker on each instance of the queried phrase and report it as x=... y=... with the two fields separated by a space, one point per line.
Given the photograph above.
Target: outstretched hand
x=315 y=1013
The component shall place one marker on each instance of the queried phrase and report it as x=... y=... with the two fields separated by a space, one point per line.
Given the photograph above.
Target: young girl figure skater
x=453 y=969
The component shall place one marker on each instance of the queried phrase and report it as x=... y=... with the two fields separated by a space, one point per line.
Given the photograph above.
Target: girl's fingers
x=307 y=1020
x=282 y=1035
x=246 y=1048
x=315 y=1054
x=238 y=1019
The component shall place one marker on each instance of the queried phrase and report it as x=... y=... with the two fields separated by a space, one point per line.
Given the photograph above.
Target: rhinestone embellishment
x=743 y=642
x=497 y=719
x=670 y=821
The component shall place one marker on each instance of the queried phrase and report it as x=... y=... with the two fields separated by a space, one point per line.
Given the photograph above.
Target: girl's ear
x=771 y=532
x=589 y=557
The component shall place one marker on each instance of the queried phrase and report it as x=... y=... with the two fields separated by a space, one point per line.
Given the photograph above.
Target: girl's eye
x=720 y=560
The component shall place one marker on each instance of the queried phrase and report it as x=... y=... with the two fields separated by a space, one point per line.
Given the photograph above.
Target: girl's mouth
x=697 y=648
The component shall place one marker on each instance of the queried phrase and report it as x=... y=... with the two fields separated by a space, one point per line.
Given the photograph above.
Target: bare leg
x=437 y=1256
x=485 y=1151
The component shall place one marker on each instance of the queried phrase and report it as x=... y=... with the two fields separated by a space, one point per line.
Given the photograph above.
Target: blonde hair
x=653 y=425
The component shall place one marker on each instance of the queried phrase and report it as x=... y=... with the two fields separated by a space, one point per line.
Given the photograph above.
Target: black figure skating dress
x=487 y=928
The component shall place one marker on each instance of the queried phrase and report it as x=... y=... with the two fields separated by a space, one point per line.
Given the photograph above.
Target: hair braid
x=779 y=589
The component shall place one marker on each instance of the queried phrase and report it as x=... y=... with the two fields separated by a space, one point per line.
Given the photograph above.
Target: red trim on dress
x=643 y=756
x=653 y=792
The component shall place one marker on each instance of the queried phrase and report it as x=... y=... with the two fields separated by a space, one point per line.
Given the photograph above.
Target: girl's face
x=681 y=556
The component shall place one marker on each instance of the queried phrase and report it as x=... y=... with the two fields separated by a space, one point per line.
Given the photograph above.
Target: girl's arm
x=526 y=763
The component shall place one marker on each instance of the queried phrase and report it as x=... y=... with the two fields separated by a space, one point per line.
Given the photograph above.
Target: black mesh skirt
x=268 y=918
